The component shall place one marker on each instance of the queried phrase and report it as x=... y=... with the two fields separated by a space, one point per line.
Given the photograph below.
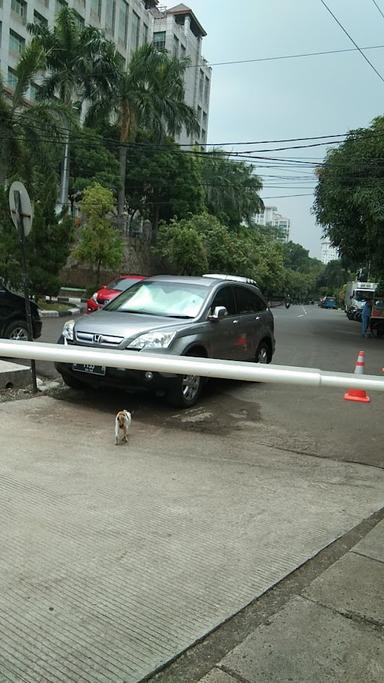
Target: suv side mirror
x=219 y=313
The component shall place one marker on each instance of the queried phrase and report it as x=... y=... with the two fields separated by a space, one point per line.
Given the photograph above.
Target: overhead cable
x=352 y=40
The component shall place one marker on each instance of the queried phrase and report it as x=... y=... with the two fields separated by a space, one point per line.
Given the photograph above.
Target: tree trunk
x=98 y=267
x=123 y=172
x=64 y=181
x=155 y=221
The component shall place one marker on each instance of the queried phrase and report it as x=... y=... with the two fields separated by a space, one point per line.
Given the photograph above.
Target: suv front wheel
x=186 y=389
x=17 y=330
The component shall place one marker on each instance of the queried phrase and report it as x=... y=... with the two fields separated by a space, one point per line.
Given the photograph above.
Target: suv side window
x=248 y=301
x=224 y=297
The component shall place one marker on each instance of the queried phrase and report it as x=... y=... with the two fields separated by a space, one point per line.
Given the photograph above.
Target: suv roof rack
x=235 y=278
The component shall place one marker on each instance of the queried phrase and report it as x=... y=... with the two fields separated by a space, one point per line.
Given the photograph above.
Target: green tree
x=47 y=246
x=148 y=95
x=24 y=129
x=163 y=183
x=79 y=64
x=231 y=189
x=349 y=198
x=91 y=160
x=243 y=252
x=100 y=245
x=333 y=276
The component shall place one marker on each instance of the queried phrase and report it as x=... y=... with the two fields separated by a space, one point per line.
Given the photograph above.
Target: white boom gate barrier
x=188 y=365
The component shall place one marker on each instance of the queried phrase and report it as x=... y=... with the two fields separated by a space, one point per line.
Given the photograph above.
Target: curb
x=60 y=314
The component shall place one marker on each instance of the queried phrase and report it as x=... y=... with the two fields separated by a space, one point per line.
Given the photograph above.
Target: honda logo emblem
x=98 y=339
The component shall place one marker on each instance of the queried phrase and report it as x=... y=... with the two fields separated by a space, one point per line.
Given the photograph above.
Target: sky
x=292 y=98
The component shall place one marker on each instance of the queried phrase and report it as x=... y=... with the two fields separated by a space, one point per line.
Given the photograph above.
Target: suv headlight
x=94 y=297
x=68 y=330
x=153 y=340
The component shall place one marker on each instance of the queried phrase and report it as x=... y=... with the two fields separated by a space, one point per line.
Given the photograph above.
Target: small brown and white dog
x=122 y=424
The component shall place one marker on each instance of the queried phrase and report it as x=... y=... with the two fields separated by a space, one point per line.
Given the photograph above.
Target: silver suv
x=213 y=316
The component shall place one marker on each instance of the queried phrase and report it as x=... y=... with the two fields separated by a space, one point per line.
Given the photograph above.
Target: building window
x=199 y=114
x=110 y=16
x=206 y=90
x=16 y=43
x=39 y=19
x=123 y=23
x=205 y=120
x=135 y=30
x=175 y=47
x=145 y=33
x=12 y=79
x=183 y=51
x=19 y=7
x=96 y=8
x=201 y=84
x=159 y=40
x=34 y=92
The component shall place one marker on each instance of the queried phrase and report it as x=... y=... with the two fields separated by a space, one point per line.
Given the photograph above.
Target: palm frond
x=31 y=62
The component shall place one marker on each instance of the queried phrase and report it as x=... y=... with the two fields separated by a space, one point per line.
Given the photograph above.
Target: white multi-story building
x=178 y=30
x=271 y=217
x=130 y=24
x=328 y=252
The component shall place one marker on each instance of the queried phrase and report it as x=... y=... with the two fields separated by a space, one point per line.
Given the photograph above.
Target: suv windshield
x=167 y=299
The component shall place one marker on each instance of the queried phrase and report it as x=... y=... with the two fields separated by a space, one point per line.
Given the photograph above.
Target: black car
x=214 y=316
x=13 y=320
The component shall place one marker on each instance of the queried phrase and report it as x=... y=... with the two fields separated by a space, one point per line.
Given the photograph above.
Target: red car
x=108 y=292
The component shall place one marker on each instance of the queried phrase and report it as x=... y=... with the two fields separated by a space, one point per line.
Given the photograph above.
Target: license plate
x=89 y=369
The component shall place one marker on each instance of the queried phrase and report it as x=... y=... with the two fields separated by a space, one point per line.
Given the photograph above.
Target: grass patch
x=48 y=306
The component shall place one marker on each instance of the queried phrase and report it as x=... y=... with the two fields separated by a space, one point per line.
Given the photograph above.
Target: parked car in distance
x=328 y=302
x=108 y=292
x=213 y=316
x=13 y=320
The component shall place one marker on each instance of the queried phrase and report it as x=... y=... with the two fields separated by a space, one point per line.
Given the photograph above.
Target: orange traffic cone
x=359 y=395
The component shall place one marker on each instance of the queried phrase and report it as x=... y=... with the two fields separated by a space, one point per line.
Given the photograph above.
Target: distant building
x=271 y=217
x=179 y=32
x=328 y=253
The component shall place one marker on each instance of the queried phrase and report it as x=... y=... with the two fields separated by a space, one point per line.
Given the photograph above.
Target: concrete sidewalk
x=333 y=631
x=116 y=560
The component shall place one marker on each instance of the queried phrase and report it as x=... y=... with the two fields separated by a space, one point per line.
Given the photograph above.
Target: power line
x=286 y=196
x=352 y=40
x=378 y=8
x=283 y=57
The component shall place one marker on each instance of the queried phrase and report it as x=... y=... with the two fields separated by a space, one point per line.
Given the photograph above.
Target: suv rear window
x=248 y=301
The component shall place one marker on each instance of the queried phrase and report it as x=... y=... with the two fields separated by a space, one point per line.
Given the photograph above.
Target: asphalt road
x=297 y=419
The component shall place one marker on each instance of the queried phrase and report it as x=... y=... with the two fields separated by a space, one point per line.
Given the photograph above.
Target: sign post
x=22 y=217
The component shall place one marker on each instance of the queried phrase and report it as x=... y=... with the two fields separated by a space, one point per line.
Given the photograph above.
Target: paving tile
x=354 y=584
x=307 y=643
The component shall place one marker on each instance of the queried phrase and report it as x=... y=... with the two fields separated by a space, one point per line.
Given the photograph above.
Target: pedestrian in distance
x=366 y=317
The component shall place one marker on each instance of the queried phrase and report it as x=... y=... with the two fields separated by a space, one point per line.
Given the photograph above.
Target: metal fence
x=182 y=365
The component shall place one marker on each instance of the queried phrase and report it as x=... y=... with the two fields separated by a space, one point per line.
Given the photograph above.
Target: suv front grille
x=96 y=339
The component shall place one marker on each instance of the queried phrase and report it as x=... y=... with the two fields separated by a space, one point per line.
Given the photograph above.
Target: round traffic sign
x=16 y=190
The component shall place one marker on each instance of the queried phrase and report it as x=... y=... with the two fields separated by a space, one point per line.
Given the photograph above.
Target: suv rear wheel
x=17 y=330
x=263 y=353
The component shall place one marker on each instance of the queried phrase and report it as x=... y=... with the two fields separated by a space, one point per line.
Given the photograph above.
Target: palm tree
x=231 y=188
x=148 y=95
x=79 y=62
x=25 y=127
